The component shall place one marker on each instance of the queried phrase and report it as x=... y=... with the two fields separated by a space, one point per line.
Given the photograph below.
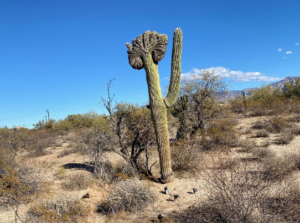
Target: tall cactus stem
x=244 y=100
x=147 y=50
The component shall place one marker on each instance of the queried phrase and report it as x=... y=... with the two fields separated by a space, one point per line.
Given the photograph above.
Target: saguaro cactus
x=146 y=51
x=244 y=100
x=180 y=111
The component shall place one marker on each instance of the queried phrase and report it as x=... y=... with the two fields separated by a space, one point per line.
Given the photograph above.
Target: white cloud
x=279 y=49
x=288 y=52
x=284 y=57
x=238 y=76
x=297 y=44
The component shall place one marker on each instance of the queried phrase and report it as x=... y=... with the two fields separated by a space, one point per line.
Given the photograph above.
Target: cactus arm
x=174 y=87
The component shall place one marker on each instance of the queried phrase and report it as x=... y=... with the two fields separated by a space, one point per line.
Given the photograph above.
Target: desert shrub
x=260 y=124
x=237 y=105
x=79 y=148
x=126 y=169
x=263 y=153
x=295 y=129
x=222 y=163
x=261 y=133
x=61 y=208
x=247 y=145
x=277 y=124
x=255 y=108
x=105 y=171
x=220 y=135
x=129 y=195
x=278 y=168
x=77 y=181
x=285 y=137
x=66 y=152
x=20 y=185
x=231 y=196
x=184 y=158
x=283 y=207
x=264 y=144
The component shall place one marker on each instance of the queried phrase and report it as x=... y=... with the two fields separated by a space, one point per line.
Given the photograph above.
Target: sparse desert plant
x=66 y=152
x=283 y=207
x=237 y=104
x=231 y=196
x=20 y=185
x=285 y=137
x=263 y=153
x=277 y=124
x=260 y=124
x=220 y=135
x=185 y=158
x=261 y=133
x=62 y=172
x=247 y=145
x=129 y=195
x=295 y=129
x=79 y=181
x=60 y=208
x=277 y=168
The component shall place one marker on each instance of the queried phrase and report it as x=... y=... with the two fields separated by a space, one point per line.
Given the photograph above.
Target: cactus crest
x=148 y=43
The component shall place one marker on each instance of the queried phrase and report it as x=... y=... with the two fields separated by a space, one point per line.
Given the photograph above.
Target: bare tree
x=130 y=131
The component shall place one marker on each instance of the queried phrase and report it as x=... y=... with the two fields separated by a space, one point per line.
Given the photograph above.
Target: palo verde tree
x=146 y=51
x=202 y=92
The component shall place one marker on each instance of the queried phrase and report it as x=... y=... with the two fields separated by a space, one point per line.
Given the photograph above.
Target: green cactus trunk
x=244 y=100
x=159 y=117
x=180 y=111
x=148 y=49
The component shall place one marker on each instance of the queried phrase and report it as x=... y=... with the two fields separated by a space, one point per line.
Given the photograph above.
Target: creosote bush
x=61 y=208
x=185 y=157
x=129 y=195
x=220 y=135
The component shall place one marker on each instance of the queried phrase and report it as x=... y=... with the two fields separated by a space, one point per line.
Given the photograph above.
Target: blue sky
x=59 y=55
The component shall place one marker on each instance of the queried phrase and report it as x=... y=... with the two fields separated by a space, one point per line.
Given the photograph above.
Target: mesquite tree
x=146 y=51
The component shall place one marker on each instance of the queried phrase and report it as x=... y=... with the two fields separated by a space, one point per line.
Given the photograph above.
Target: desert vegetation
x=189 y=157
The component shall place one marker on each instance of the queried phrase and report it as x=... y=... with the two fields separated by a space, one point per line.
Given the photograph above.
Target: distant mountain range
x=278 y=84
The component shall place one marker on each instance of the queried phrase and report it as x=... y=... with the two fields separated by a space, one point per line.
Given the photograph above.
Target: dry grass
x=285 y=137
x=77 y=181
x=129 y=195
x=185 y=158
x=61 y=208
x=278 y=168
x=263 y=153
x=261 y=133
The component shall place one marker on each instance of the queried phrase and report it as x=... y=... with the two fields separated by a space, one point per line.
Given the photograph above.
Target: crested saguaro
x=146 y=51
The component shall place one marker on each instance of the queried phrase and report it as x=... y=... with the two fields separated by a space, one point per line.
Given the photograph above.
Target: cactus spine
x=147 y=50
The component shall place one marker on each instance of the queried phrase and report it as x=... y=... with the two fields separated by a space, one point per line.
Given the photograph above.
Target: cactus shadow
x=81 y=166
